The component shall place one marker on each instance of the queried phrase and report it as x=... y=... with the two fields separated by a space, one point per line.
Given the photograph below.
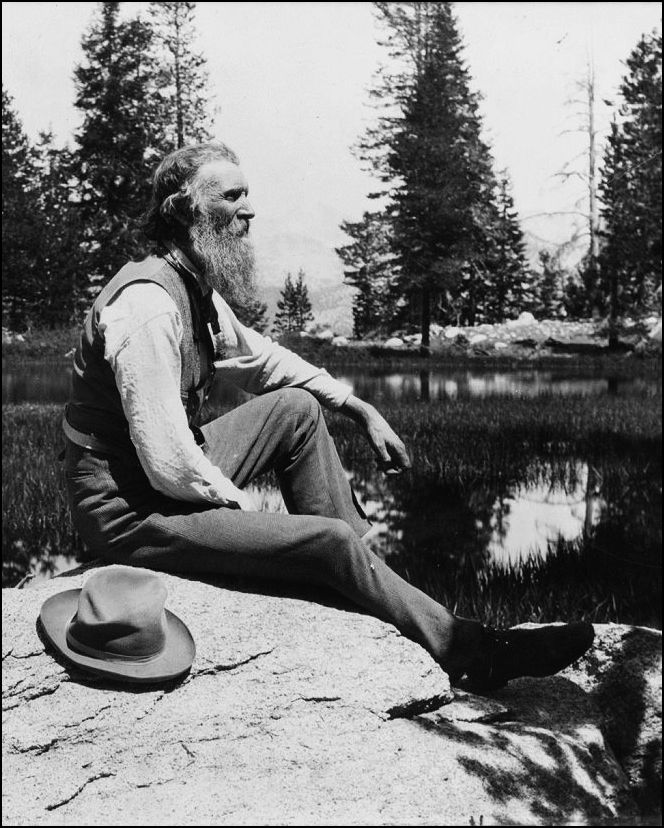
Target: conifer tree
x=63 y=273
x=369 y=266
x=631 y=188
x=509 y=289
x=294 y=306
x=284 y=318
x=21 y=222
x=183 y=78
x=552 y=291
x=119 y=139
x=428 y=151
x=303 y=312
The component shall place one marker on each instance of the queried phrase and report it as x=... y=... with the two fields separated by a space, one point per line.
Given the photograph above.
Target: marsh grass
x=469 y=455
x=466 y=454
x=36 y=528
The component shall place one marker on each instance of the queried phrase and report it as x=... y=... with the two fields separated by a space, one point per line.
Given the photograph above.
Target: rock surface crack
x=222 y=668
x=87 y=782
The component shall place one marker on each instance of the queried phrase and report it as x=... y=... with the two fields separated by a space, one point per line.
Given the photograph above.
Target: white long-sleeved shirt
x=142 y=332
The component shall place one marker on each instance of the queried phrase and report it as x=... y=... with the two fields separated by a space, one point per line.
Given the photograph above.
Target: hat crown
x=120 y=615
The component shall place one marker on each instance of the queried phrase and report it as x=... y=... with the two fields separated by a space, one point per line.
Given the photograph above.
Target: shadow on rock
x=627 y=693
x=546 y=749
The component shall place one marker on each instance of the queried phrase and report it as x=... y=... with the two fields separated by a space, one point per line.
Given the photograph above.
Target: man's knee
x=345 y=552
x=300 y=404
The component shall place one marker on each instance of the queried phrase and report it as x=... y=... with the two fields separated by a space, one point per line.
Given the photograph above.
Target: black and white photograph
x=332 y=413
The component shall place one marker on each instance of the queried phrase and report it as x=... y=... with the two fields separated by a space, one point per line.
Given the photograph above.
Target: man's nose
x=245 y=211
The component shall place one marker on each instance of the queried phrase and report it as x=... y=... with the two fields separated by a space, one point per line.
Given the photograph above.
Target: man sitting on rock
x=149 y=486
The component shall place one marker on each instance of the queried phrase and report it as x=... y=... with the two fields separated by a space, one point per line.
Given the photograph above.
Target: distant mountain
x=332 y=307
x=280 y=253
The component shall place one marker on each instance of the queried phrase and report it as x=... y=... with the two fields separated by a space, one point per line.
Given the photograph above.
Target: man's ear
x=177 y=208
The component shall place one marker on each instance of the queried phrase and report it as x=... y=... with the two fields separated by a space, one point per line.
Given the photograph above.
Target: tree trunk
x=613 y=309
x=179 y=115
x=425 y=386
x=425 y=320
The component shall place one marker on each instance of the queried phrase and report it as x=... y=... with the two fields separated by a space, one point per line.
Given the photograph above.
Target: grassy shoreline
x=56 y=346
x=438 y=517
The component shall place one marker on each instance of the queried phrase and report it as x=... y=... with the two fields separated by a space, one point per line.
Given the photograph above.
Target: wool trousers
x=122 y=519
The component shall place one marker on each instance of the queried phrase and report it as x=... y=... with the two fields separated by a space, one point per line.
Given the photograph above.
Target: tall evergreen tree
x=369 y=266
x=428 y=150
x=118 y=141
x=183 y=77
x=554 y=291
x=294 y=306
x=62 y=263
x=509 y=289
x=21 y=222
x=631 y=188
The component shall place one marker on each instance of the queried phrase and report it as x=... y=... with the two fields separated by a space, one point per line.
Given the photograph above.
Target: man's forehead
x=224 y=173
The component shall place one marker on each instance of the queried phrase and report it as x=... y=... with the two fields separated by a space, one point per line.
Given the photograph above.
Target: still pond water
x=549 y=514
x=49 y=383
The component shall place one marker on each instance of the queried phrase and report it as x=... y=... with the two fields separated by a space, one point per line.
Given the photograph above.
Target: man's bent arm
x=142 y=332
x=257 y=364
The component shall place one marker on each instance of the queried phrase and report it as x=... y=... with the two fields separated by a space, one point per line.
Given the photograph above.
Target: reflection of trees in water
x=437 y=528
x=629 y=537
x=436 y=532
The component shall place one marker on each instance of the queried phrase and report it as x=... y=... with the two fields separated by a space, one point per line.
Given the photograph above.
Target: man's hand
x=392 y=455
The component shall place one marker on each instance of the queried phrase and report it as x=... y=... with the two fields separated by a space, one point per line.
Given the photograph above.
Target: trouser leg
x=286 y=431
x=112 y=506
x=300 y=549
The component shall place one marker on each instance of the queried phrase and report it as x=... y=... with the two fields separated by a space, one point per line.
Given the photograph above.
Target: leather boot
x=507 y=654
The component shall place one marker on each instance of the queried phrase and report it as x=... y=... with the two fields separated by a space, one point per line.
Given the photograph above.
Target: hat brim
x=176 y=658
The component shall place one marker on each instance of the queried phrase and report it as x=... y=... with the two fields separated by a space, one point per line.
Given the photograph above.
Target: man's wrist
x=357 y=409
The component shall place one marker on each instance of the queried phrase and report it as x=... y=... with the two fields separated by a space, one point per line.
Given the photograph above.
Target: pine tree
x=21 y=222
x=294 y=307
x=509 y=289
x=369 y=266
x=183 y=77
x=303 y=313
x=118 y=141
x=284 y=318
x=427 y=149
x=631 y=188
x=63 y=273
x=551 y=294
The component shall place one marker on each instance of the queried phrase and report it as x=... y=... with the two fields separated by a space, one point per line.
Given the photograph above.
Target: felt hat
x=117 y=627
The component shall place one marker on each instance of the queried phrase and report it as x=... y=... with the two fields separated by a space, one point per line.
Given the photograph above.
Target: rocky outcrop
x=623 y=673
x=303 y=713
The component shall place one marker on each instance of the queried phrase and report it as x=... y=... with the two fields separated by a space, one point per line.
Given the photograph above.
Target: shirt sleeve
x=257 y=364
x=142 y=333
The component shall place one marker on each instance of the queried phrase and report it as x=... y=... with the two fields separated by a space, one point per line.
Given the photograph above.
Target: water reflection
x=524 y=524
x=36 y=382
x=505 y=508
x=535 y=516
x=557 y=538
x=44 y=382
x=431 y=385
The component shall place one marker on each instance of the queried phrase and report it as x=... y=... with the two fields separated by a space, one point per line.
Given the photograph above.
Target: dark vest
x=95 y=407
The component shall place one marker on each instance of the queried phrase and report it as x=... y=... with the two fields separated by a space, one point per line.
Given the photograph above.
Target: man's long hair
x=171 y=189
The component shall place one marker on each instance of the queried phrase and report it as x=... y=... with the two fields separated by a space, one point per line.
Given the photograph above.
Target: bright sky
x=291 y=80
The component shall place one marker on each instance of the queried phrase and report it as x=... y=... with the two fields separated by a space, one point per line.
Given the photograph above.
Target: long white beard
x=227 y=258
